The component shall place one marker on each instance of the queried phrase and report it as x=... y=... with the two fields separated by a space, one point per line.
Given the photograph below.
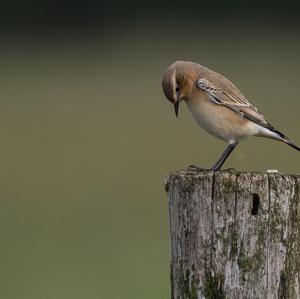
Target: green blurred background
x=87 y=136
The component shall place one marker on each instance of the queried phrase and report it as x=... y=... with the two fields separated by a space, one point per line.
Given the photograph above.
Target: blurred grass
x=87 y=138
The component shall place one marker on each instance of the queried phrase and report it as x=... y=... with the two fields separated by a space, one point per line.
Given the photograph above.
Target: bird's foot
x=230 y=169
x=227 y=169
x=215 y=169
x=196 y=168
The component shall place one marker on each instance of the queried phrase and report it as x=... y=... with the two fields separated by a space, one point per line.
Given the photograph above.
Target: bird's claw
x=230 y=169
x=227 y=169
x=195 y=167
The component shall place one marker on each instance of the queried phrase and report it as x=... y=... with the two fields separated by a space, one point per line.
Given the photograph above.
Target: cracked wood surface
x=234 y=234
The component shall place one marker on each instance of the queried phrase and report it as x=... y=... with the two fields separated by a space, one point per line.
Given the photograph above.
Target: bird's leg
x=224 y=156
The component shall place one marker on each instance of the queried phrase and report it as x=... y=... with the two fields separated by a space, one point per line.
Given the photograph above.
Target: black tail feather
x=285 y=139
x=290 y=143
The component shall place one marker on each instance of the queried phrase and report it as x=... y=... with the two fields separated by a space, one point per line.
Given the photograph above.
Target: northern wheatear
x=217 y=105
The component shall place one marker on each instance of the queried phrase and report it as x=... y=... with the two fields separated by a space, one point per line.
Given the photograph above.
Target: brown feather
x=168 y=83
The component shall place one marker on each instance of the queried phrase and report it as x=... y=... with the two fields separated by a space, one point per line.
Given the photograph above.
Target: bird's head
x=178 y=81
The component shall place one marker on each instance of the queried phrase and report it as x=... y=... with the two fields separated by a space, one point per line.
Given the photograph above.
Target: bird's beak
x=176 y=107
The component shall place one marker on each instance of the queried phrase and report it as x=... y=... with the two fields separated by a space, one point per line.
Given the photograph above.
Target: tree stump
x=234 y=234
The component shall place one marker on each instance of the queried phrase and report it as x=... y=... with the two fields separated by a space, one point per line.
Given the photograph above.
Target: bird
x=217 y=106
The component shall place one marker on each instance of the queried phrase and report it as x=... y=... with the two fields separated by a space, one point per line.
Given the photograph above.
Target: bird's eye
x=177 y=88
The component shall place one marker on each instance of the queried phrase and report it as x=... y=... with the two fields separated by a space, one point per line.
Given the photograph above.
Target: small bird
x=217 y=105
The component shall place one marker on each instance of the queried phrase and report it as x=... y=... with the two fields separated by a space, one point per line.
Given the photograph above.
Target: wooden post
x=234 y=234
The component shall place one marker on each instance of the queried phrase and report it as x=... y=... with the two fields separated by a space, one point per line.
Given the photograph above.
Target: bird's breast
x=218 y=120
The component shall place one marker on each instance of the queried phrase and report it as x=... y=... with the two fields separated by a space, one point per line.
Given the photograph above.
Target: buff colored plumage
x=217 y=105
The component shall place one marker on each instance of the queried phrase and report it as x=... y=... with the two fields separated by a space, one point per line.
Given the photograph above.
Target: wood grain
x=234 y=234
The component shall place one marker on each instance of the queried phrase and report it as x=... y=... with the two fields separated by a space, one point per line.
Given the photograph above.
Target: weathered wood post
x=234 y=234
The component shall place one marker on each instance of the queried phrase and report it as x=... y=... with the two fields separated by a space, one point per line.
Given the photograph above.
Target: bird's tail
x=293 y=145
x=287 y=140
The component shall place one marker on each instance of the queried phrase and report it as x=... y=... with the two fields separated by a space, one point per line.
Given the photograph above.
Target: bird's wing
x=238 y=104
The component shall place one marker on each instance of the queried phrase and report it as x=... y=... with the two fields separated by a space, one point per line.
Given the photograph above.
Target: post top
x=192 y=172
